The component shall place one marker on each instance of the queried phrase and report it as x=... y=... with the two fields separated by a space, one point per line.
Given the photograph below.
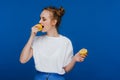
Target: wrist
x=32 y=35
x=74 y=59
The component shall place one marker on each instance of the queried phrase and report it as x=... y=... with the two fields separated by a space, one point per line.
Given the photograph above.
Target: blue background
x=91 y=24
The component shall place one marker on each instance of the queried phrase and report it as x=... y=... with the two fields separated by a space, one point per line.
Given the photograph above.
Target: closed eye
x=43 y=19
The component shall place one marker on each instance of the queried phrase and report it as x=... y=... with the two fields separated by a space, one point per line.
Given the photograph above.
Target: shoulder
x=36 y=38
x=66 y=39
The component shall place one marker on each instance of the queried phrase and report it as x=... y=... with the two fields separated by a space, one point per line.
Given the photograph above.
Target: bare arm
x=76 y=58
x=27 y=51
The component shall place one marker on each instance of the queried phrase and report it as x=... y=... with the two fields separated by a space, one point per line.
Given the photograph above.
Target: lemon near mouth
x=39 y=26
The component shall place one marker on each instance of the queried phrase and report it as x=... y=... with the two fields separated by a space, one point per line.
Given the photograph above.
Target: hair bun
x=61 y=11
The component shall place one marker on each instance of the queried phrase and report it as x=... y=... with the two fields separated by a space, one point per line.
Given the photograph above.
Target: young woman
x=52 y=52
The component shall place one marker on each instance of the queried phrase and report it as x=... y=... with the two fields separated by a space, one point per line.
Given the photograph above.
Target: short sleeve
x=68 y=54
x=33 y=42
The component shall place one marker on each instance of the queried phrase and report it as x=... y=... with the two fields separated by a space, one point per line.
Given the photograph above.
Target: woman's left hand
x=78 y=57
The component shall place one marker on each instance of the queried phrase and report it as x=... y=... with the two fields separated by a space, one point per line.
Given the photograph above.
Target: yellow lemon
x=39 y=26
x=83 y=52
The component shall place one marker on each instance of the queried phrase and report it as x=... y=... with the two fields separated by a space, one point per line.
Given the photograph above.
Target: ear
x=54 y=22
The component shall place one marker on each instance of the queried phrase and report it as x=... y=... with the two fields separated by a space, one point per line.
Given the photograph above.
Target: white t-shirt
x=51 y=54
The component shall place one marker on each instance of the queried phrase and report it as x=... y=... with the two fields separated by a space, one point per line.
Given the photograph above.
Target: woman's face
x=46 y=20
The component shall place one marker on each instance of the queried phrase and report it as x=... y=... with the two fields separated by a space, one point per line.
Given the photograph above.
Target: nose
x=40 y=21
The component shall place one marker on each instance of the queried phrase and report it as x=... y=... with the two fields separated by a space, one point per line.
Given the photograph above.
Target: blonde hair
x=57 y=14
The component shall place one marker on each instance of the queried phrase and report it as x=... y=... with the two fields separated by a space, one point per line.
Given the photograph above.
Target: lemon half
x=39 y=26
x=83 y=52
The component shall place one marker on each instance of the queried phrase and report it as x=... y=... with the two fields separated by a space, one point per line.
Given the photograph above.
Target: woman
x=52 y=52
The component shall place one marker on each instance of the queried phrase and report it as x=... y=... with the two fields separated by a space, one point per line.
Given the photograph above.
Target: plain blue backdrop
x=91 y=24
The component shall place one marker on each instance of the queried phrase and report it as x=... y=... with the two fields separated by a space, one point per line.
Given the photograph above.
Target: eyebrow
x=42 y=17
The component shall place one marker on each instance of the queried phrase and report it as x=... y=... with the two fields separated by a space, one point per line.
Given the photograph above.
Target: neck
x=53 y=32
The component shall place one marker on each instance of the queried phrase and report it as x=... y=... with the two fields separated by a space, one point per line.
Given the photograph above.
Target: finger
x=82 y=60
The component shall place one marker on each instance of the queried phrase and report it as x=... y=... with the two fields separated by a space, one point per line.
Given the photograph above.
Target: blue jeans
x=48 y=76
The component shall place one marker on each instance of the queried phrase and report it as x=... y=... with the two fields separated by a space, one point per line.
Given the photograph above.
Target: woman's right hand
x=34 y=30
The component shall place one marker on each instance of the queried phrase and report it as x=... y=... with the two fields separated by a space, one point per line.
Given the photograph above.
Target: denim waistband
x=48 y=76
x=48 y=73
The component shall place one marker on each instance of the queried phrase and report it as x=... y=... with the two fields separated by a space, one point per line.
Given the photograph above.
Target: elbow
x=66 y=70
x=22 y=61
